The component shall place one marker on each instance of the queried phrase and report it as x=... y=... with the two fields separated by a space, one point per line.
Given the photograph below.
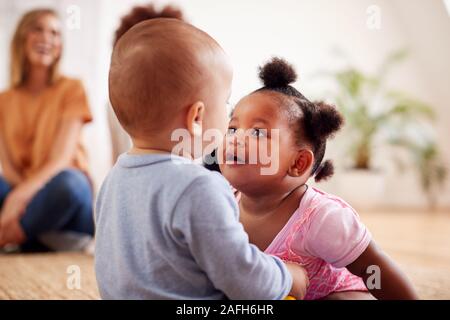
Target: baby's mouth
x=233 y=159
x=42 y=49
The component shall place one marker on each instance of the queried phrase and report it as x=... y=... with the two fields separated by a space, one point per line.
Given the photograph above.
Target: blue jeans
x=63 y=204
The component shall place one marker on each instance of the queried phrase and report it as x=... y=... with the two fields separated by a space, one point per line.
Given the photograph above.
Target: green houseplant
x=377 y=115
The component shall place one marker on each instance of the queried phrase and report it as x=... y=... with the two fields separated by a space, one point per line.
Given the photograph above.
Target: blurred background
x=384 y=63
x=404 y=45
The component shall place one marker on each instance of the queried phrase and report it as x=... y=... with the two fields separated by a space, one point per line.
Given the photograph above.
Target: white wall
x=251 y=31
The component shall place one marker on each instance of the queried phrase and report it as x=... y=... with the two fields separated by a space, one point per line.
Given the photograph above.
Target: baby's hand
x=300 y=280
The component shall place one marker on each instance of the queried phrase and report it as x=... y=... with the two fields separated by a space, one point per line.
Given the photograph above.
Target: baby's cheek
x=267 y=152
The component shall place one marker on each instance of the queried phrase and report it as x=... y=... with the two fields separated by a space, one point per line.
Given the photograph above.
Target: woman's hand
x=13 y=209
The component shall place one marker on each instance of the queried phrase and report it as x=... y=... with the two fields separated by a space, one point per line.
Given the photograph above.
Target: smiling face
x=43 y=41
x=260 y=125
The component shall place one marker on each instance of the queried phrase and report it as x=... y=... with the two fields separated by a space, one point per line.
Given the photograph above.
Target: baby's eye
x=231 y=130
x=256 y=132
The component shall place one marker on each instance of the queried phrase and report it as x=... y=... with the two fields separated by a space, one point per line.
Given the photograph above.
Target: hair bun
x=327 y=120
x=277 y=73
x=324 y=171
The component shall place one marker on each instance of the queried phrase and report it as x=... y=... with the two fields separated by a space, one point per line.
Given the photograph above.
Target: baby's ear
x=302 y=163
x=194 y=118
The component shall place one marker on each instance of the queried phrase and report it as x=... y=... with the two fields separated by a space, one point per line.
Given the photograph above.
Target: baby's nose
x=239 y=139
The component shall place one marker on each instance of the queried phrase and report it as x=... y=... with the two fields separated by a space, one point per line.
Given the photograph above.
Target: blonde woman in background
x=44 y=185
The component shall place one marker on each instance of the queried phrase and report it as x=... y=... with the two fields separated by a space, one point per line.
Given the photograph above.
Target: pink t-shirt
x=324 y=234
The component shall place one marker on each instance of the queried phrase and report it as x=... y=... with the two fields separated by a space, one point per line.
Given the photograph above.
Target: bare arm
x=9 y=171
x=394 y=285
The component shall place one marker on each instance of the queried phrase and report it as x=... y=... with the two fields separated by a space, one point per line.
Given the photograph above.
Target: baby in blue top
x=167 y=228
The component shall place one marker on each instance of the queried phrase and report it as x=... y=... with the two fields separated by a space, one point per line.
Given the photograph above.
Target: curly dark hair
x=319 y=121
x=142 y=13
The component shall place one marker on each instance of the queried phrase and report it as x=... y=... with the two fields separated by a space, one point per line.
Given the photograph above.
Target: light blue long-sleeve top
x=167 y=228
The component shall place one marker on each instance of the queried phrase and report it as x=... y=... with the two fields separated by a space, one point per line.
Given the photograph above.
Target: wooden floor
x=47 y=276
x=419 y=242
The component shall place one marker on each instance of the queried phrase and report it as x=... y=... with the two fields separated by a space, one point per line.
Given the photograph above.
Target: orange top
x=29 y=123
